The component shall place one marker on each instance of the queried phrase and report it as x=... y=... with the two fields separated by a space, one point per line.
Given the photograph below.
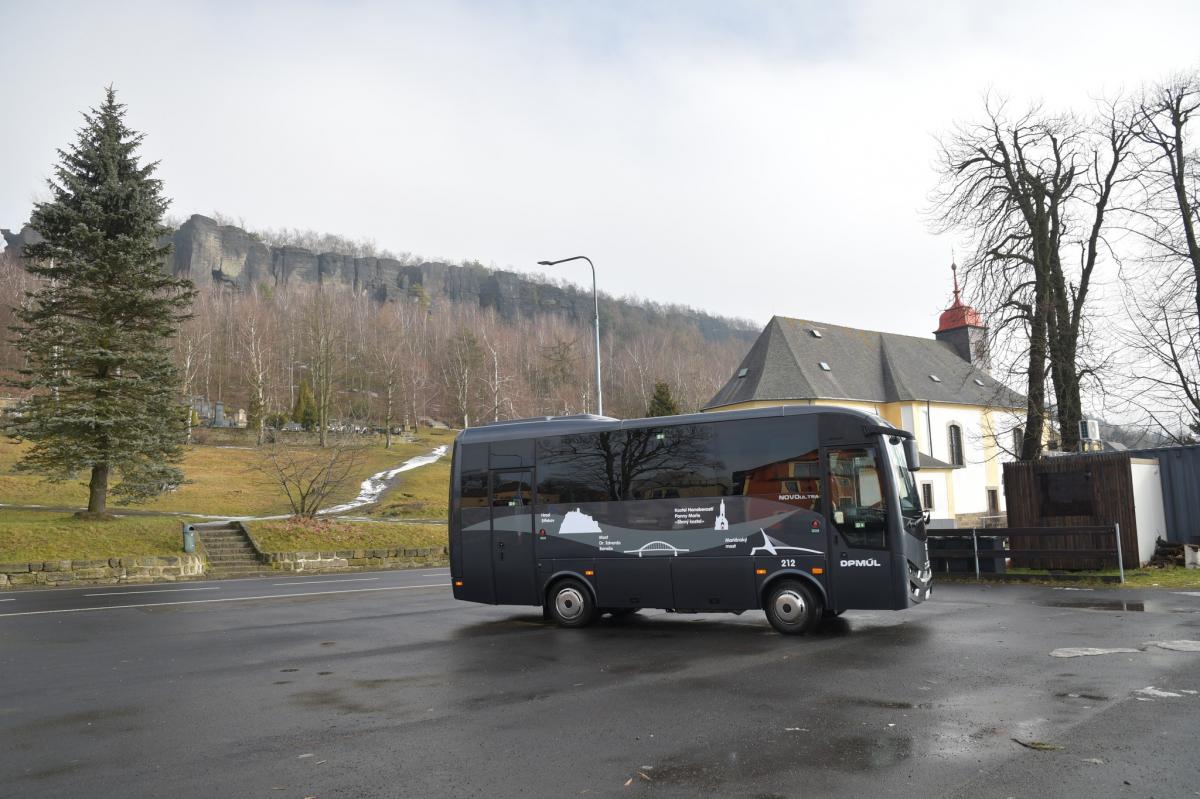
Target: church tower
x=962 y=328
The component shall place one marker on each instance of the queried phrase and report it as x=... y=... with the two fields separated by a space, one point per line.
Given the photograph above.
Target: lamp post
x=596 y=320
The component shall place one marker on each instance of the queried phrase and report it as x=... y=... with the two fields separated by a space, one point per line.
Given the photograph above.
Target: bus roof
x=585 y=422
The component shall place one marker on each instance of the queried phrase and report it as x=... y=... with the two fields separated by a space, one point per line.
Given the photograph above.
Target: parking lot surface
x=383 y=685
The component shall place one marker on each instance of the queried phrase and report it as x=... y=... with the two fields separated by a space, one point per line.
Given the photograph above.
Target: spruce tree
x=662 y=403
x=304 y=413
x=103 y=392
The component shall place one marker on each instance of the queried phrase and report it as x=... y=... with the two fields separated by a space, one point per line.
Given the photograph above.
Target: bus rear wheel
x=791 y=608
x=570 y=604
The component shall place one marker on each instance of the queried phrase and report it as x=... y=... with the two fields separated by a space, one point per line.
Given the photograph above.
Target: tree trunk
x=1031 y=444
x=387 y=418
x=98 y=489
x=1179 y=185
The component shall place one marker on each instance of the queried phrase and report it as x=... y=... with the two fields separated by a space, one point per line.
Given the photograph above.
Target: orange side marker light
x=818 y=570
x=760 y=571
x=458 y=583
x=588 y=572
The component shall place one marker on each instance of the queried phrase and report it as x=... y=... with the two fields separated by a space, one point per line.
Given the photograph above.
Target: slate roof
x=785 y=364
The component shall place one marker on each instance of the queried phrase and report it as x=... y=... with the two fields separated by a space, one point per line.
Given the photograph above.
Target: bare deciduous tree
x=1030 y=190
x=308 y=477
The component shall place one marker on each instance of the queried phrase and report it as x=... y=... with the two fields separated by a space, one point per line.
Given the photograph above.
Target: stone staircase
x=230 y=551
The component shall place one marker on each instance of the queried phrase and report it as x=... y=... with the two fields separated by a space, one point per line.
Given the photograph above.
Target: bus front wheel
x=791 y=608
x=571 y=604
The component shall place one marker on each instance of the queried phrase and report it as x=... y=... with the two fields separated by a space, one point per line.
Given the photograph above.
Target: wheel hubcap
x=790 y=607
x=569 y=603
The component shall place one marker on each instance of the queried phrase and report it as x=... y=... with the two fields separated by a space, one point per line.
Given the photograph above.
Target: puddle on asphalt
x=1119 y=605
x=1091 y=697
x=853 y=754
x=889 y=705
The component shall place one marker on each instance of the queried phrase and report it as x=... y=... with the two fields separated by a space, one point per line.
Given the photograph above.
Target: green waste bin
x=189 y=538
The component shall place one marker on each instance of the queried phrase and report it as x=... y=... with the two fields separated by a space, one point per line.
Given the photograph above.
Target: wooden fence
x=1075 y=546
x=1100 y=491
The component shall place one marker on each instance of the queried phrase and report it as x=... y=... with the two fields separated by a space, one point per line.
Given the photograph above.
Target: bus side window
x=473 y=486
x=795 y=481
x=509 y=490
x=856 y=497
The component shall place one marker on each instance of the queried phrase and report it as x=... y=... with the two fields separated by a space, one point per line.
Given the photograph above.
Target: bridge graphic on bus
x=656 y=548
x=772 y=546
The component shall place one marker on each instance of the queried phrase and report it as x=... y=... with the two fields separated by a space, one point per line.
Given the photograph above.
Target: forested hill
x=210 y=253
x=403 y=337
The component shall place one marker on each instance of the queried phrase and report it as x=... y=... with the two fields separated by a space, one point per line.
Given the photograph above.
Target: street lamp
x=596 y=304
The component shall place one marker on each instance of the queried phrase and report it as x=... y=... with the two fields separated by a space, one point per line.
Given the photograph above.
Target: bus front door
x=859 y=552
x=512 y=537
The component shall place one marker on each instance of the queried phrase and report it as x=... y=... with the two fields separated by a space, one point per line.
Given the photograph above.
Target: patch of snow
x=376 y=484
x=1178 y=646
x=1086 y=651
x=1187 y=593
x=1150 y=690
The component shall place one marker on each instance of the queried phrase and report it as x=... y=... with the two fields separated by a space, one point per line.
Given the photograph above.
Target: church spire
x=962 y=327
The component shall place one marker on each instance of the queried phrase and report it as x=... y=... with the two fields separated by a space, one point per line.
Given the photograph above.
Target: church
x=940 y=389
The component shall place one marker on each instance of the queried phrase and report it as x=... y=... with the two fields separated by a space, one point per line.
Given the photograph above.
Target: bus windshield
x=910 y=502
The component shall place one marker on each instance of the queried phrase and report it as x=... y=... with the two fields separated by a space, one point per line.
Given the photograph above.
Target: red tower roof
x=958 y=314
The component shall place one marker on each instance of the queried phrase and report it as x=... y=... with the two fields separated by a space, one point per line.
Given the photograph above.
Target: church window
x=956 y=446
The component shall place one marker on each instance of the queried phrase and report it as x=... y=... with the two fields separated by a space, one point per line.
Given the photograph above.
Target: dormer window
x=812 y=331
x=743 y=372
x=935 y=378
x=978 y=382
x=824 y=366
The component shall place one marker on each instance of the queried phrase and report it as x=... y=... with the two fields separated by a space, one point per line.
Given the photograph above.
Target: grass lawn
x=222 y=480
x=34 y=535
x=292 y=535
x=418 y=494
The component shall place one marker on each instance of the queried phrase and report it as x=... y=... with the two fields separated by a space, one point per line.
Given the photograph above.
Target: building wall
x=1180 y=474
x=939 y=479
x=1147 y=505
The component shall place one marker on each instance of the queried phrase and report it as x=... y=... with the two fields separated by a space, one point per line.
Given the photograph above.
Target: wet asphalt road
x=389 y=688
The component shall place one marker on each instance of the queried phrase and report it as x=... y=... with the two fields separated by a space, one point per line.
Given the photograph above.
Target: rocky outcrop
x=15 y=243
x=215 y=255
x=206 y=253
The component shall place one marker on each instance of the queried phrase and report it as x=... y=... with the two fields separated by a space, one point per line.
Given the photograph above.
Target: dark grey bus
x=799 y=511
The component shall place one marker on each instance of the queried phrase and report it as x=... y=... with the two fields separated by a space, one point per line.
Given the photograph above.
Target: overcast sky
x=748 y=159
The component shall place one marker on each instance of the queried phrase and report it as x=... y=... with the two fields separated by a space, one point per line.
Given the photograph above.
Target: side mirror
x=911 y=455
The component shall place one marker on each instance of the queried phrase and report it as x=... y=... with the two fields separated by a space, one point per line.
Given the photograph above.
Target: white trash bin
x=1191 y=556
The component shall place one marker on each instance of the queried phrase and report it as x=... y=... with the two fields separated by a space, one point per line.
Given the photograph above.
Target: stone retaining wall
x=358 y=559
x=106 y=571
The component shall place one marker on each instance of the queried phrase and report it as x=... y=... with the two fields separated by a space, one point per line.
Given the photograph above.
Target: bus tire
x=570 y=603
x=792 y=608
